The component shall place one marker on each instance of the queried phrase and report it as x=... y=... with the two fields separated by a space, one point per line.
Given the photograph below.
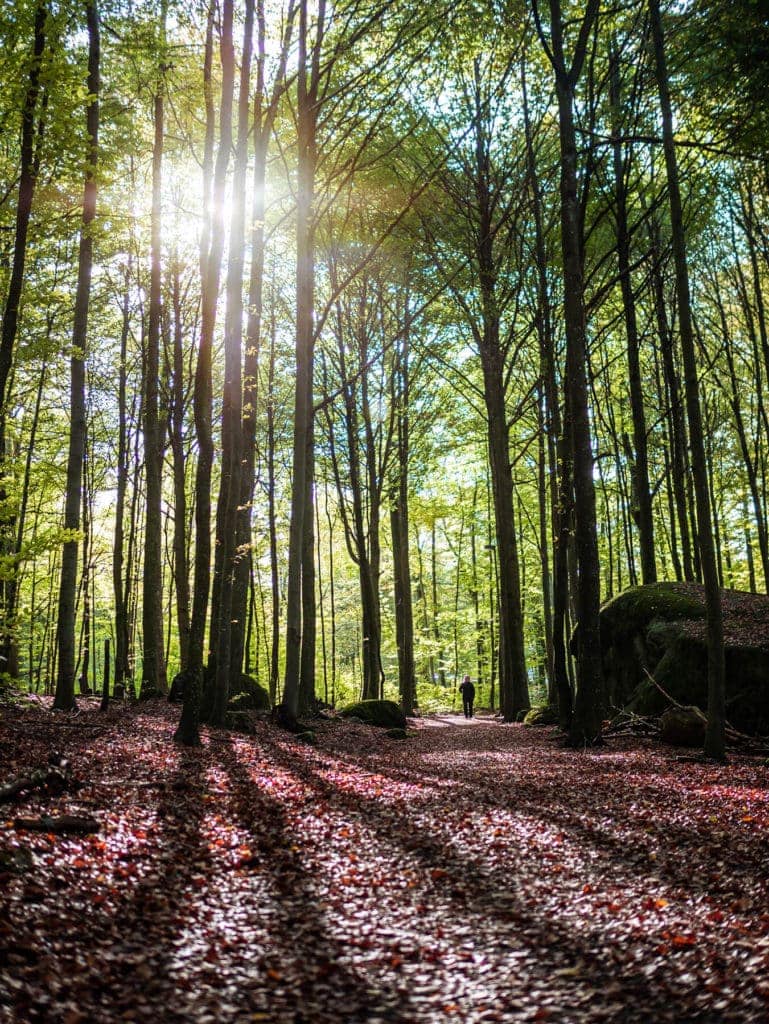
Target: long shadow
x=495 y=895
x=309 y=979
x=565 y=812
x=116 y=945
x=155 y=916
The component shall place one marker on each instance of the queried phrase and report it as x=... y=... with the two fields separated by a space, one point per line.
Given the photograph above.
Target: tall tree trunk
x=263 y=122
x=10 y=651
x=272 y=522
x=714 y=738
x=84 y=657
x=122 y=669
x=232 y=405
x=211 y=251
x=399 y=527
x=558 y=441
x=153 y=660
x=642 y=503
x=513 y=679
x=176 y=438
x=678 y=434
x=65 y=629
x=309 y=616
x=436 y=607
x=586 y=720
x=27 y=181
x=307 y=115
x=10 y=321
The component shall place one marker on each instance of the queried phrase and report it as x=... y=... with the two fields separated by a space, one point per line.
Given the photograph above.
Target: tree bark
x=714 y=738
x=153 y=680
x=211 y=251
x=65 y=631
x=307 y=114
x=642 y=504
x=10 y=321
x=232 y=403
x=586 y=720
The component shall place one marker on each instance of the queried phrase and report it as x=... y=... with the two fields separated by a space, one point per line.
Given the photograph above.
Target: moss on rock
x=659 y=630
x=631 y=611
x=383 y=713
x=397 y=734
x=541 y=714
x=251 y=696
x=683 y=727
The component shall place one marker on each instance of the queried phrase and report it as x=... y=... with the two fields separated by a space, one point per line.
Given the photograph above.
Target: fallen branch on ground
x=67 y=823
x=53 y=780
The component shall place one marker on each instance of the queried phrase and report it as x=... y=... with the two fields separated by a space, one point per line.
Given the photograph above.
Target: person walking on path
x=467 y=690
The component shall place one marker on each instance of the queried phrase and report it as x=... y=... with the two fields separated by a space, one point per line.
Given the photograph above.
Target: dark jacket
x=467 y=690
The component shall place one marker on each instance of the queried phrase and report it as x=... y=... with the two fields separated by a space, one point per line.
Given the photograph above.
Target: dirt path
x=474 y=872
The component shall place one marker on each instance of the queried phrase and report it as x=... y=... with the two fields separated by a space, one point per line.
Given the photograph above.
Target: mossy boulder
x=683 y=727
x=659 y=630
x=383 y=713
x=541 y=714
x=249 y=696
x=240 y=721
x=397 y=734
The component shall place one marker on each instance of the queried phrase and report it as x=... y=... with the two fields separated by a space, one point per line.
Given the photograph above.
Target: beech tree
x=65 y=628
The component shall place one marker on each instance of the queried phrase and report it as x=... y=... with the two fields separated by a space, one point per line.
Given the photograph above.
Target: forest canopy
x=357 y=347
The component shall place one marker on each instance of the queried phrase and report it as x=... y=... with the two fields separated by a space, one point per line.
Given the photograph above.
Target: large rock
x=248 y=694
x=660 y=629
x=384 y=713
x=683 y=727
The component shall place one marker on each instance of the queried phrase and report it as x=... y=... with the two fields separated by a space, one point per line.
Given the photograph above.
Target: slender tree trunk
x=544 y=556
x=642 y=504
x=263 y=122
x=558 y=442
x=436 y=607
x=742 y=436
x=678 y=434
x=10 y=651
x=153 y=661
x=307 y=114
x=176 y=437
x=332 y=597
x=513 y=679
x=714 y=739
x=309 y=612
x=212 y=248
x=65 y=630
x=272 y=522
x=84 y=657
x=399 y=527
x=27 y=181
x=232 y=408
x=122 y=669
x=10 y=321
x=586 y=720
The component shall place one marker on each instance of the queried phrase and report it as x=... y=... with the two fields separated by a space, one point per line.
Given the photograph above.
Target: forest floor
x=473 y=872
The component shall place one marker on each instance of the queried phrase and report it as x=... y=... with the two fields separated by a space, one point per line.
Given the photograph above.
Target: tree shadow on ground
x=308 y=976
x=561 y=809
x=495 y=899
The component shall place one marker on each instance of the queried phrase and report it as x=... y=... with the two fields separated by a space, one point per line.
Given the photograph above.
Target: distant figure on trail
x=467 y=690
